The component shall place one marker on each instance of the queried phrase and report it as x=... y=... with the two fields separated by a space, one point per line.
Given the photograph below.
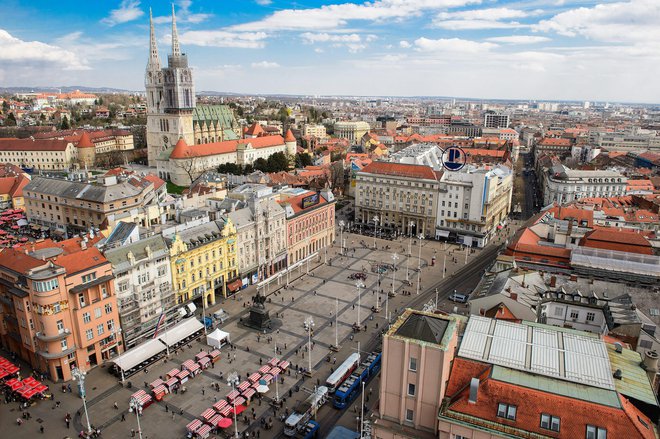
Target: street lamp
x=387 y=300
x=375 y=220
x=359 y=285
x=419 y=261
x=79 y=375
x=134 y=405
x=341 y=237
x=410 y=224
x=309 y=322
x=232 y=380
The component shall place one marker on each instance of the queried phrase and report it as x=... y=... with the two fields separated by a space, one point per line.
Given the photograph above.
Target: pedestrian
x=115 y=405
x=132 y=432
x=123 y=417
x=202 y=391
x=41 y=429
x=68 y=422
x=166 y=408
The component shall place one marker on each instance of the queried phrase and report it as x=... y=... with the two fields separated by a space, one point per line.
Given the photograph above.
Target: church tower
x=170 y=97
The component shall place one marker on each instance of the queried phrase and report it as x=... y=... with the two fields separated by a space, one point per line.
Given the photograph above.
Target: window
x=56 y=307
x=104 y=291
x=559 y=311
x=64 y=345
x=574 y=314
x=506 y=411
x=549 y=422
x=86 y=317
x=111 y=325
x=412 y=364
x=409 y=415
x=97 y=312
x=60 y=326
x=99 y=329
x=594 y=432
x=411 y=389
x=88 y=277
x=108 y=308
x=591 y=316
x=90 y=334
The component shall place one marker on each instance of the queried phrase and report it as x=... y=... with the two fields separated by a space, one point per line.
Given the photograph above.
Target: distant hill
x=64 y=89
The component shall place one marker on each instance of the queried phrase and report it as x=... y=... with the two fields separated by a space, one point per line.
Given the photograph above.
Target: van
x=221 y=315
x=458 y=298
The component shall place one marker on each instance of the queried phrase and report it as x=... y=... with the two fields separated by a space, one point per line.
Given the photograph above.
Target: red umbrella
x=239 y=409
x=15 y=227
x=224 y=423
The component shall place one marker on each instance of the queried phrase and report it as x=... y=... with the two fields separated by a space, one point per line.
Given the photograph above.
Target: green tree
x=64 y=125
x=260 y=164
x=5 y=107
x=11 y=120
x=303 y=160
x=283 y=115
x=278 y=162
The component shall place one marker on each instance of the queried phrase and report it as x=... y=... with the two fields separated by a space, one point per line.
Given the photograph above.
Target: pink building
x=417 y=354
x=58 y=306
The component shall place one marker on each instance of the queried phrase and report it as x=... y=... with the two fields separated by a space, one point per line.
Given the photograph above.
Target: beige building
x=103 y=140
x=397 y=194
x=417 y=354
x=317 y=131
x=47 y=155
x=70 y=206
x=353 y=131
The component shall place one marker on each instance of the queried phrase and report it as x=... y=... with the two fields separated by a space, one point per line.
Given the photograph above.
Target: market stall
x=217 y=338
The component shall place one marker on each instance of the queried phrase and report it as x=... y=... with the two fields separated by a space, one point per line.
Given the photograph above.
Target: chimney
x=514 y=296
x=474 y=390
x=618 y=374
x=83 y=244
x=553 y=281
x=618 y=348
x=650 y=361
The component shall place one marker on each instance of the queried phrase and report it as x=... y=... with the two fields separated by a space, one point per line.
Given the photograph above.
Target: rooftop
x=400 y=170
x=425 y=327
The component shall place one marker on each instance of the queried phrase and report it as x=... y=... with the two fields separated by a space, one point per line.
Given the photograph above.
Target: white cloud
x=19 y=54
x=264 y=65
x=263 y=2
x=621 y=22
x=337 y=15
x=354 y=42
x=318 y=50
x=452 y=45
x=489 y=18
x=128 y=10
x=404 y=44
x=220 y=38
x=519 y=39
x=183 y=14
x=93 y=49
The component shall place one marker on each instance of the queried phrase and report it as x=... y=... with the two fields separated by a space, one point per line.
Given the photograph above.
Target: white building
x=315 y=130
x=143 y=282
x=425 y=154
x=472 y=203
x=496 y=120
x=562 y=185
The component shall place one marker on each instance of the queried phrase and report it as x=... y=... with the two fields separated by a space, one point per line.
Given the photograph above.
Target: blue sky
x=597 y=50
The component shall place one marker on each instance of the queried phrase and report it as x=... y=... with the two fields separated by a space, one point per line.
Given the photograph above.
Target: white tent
x=217 y=338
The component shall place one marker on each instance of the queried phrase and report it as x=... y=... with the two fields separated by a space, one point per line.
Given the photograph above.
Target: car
x=221 y=315
x=458 y=298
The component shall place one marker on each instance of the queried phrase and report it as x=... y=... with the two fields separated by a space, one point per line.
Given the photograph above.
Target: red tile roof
x=289 y=137
x=400 y=170
x=85 y=141
x=18 y=261
x=296 y=202
x=610 y=238
x=182 y=150
x=575 y=414
x=254 y=130
x=157 y=181
x=12 y=144
x=555 y=141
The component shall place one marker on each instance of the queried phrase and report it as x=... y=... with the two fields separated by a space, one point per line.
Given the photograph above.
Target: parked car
x=458 y=298
x=221 y=315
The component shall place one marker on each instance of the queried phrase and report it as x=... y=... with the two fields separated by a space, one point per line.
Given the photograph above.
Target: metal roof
x=423 y=327
x=634 y=382
x=546 y=350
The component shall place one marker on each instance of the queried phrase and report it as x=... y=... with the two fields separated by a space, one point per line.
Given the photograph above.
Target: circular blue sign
x=454 y=158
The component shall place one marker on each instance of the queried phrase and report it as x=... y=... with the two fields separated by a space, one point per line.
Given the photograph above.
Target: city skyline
x=543 y=49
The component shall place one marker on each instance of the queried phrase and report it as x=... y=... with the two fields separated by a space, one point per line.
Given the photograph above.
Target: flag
x=161 y=319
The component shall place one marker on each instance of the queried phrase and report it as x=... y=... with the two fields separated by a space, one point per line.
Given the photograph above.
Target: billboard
x=310 y=200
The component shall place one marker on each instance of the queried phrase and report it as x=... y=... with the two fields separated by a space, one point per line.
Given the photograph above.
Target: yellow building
x=204 y=262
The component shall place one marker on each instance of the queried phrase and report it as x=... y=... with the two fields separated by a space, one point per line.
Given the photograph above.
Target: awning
x=139 y=354
x=442 y=233
x=180 y=332
x=194 y=425
x=232 y=395
x=243 y=386
x=248 y=393
x=235 y=285
x=254 y=377
x=218 y=406
x=208 y=414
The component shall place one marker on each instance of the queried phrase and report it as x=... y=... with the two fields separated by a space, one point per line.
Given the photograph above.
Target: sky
x=596 y=50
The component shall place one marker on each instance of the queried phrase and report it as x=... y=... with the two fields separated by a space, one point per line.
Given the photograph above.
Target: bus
x=351 y=388
x=299 y=419
x=342 y=372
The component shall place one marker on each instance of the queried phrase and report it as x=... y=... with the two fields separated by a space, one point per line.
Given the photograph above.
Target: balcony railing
x=59 y=336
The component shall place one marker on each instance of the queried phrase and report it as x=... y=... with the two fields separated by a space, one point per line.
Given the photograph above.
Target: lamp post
x=309 y=322
x=277 y=390
x=362 y=413
x=232 y=380
x=341 y=237
x=410 y=224
x=375 y=220
x=387 y=300
x=419 y=261
x=79 y=375
x=134 y=405
x=336 y=321
x=359 y=285
x=444 y=265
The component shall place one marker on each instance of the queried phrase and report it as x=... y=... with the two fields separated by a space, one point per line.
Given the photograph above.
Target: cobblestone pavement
x=319 y=294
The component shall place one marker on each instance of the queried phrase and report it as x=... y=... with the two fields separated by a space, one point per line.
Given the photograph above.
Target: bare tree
x=190 y=165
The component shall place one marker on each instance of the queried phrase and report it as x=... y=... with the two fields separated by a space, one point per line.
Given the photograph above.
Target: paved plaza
x=317 y=294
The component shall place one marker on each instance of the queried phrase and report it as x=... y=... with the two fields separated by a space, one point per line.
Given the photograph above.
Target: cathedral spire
x=154 y=60
x=176 y=50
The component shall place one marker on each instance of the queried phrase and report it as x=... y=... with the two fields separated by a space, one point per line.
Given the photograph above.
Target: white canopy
x=179 y=332
x=138 y=354
x=216 y=338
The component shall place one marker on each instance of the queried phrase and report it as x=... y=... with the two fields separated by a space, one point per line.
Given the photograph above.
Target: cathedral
x=184 y=140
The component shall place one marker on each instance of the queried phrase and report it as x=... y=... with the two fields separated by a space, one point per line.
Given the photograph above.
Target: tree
x=5 y=107
x=260 y=164
x=337 y=175
x=11 y=120
x=303 y=160
x=189 y=165
x=278 y=162
x=64 y=125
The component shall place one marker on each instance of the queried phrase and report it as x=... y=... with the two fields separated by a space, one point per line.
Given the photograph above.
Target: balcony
x=62 y=335
x=54 y=355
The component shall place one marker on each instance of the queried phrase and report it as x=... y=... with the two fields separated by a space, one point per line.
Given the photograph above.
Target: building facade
x=562 y=185
x=315 y=130
x=310 y=222
x=261 y=231
x=46 y=155
x=397 y=194
x=143 y=285
x=496 y=120
x=59 y=307
x=68 y=207
x=472 y=203
x=353 y=131
x=203 y=260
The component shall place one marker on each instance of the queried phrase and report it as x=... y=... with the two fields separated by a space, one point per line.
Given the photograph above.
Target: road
x=528 y=207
